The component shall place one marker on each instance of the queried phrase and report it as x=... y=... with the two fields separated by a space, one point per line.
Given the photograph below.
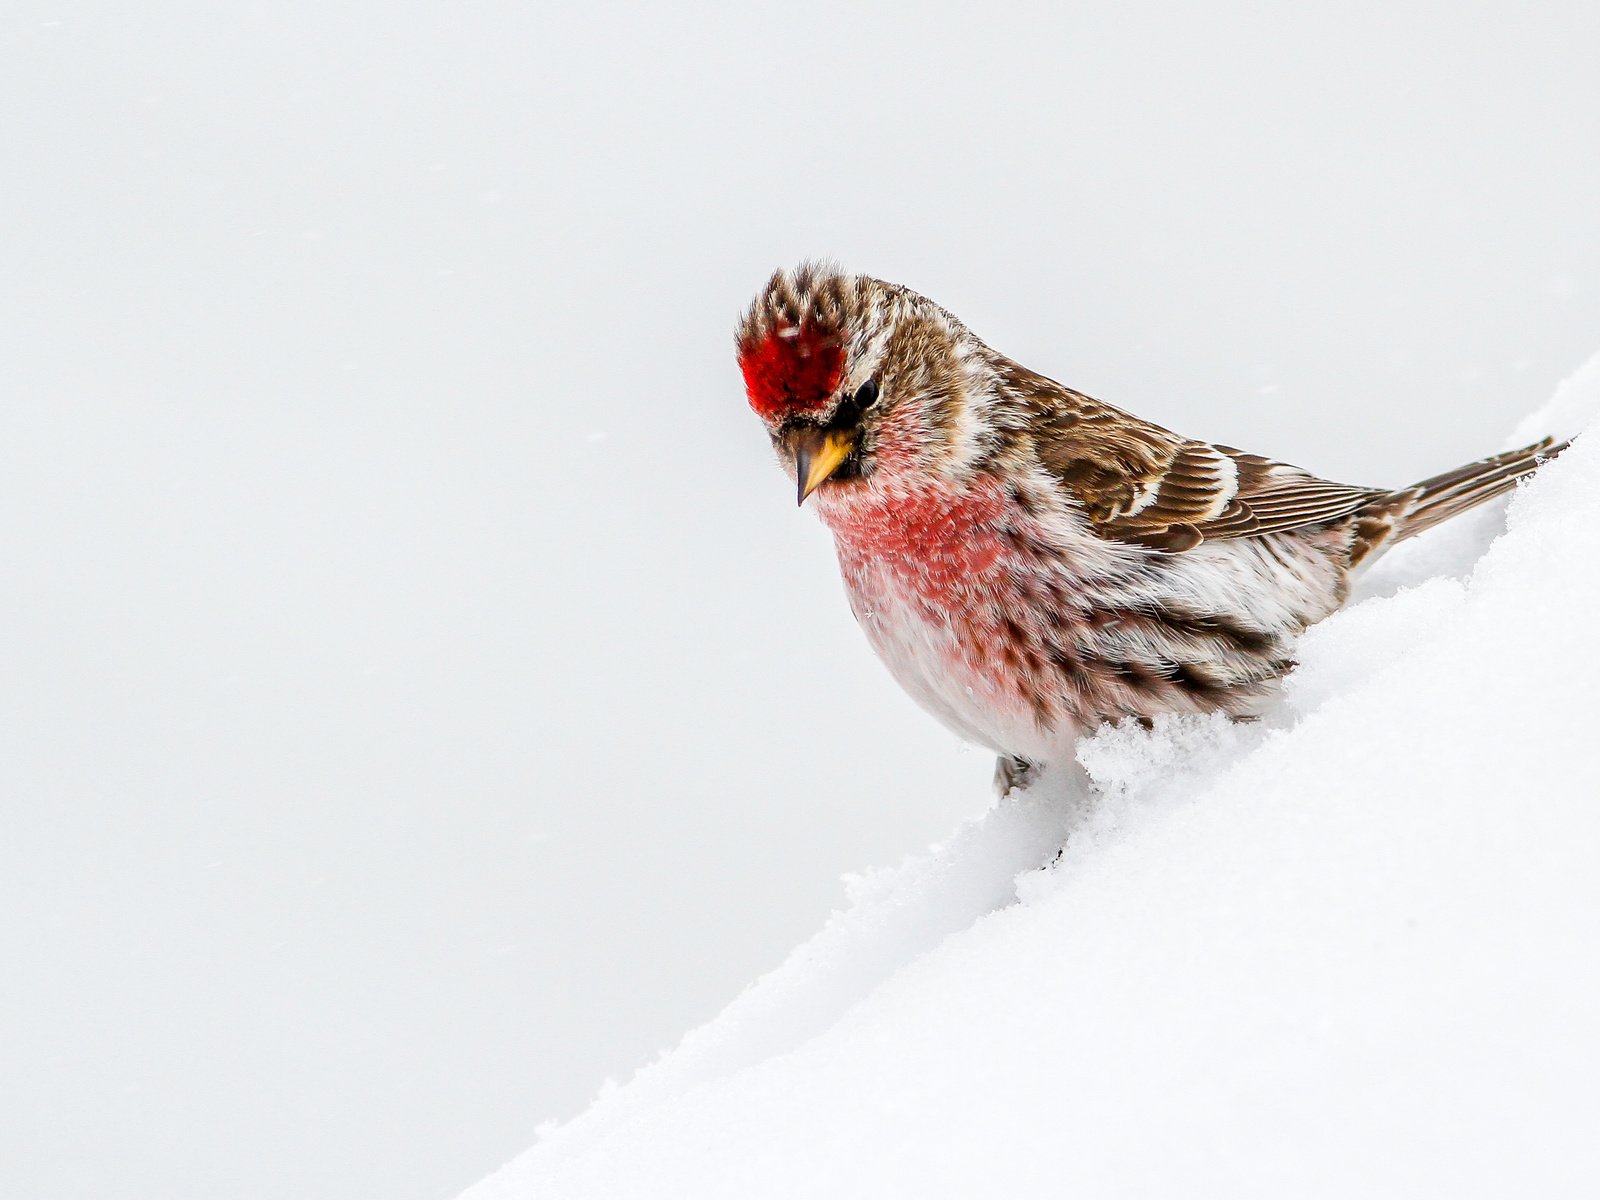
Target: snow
x=1348 y=950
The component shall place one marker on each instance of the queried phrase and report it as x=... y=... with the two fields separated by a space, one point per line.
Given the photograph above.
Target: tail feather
x=1410 y=511
x=1452 y=493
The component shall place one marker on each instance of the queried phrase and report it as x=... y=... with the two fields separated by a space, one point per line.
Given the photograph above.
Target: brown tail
x=1448 y=495
x=1421 y=506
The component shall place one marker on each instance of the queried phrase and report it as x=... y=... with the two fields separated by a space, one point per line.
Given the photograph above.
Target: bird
x=1031 y=563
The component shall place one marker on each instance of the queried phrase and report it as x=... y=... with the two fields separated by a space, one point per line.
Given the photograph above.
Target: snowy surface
x=1352 y=950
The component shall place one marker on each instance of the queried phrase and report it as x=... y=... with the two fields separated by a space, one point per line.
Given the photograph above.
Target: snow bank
x=1352 y=949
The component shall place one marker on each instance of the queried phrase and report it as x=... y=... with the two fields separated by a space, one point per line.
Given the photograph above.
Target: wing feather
x=1138 y=482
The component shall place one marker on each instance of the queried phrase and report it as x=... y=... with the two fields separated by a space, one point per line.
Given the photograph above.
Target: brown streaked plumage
x=1031 y=562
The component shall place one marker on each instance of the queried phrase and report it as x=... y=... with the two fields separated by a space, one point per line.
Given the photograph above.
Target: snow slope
x=1354 y=949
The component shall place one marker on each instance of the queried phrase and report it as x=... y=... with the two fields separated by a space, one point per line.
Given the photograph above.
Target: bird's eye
x=867 y=394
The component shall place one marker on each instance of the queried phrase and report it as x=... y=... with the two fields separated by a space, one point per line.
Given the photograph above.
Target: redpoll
x=1031 y=562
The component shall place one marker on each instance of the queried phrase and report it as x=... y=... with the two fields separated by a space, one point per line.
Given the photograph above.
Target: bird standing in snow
x=1031 y=562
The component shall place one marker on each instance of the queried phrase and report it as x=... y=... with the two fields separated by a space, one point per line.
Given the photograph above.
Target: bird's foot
x=1011 y=773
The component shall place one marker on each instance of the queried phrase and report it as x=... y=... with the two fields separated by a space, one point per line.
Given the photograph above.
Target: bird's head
x=858 y=382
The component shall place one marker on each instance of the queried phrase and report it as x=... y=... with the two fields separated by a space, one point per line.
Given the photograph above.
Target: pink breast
x=943 y=545
x=956 y=604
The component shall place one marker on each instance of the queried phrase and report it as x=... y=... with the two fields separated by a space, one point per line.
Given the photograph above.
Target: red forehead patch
x=791 y=370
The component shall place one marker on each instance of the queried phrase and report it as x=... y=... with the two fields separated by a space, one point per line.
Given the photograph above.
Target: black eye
x=867 y=394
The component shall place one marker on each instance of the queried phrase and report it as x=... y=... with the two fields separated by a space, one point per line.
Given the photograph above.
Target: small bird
x=1031 y=562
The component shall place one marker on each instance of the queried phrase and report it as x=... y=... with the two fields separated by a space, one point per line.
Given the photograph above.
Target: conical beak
x=817 y=455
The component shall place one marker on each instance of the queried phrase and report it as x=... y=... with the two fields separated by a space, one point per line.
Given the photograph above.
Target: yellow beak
x=817 y=455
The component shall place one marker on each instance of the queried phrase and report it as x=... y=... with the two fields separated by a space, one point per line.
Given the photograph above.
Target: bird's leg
x=1011 y=772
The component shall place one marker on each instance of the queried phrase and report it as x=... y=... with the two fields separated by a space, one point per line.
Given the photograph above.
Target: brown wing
x=1138 y=482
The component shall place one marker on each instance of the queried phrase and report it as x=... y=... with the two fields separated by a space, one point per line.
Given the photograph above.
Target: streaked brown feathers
x=1137 y=482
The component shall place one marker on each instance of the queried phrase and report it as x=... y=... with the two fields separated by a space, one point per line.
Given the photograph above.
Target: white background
x=421 y=698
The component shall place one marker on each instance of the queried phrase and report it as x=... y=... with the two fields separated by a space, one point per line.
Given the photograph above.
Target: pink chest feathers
x=936 y=583
x=937 y=545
